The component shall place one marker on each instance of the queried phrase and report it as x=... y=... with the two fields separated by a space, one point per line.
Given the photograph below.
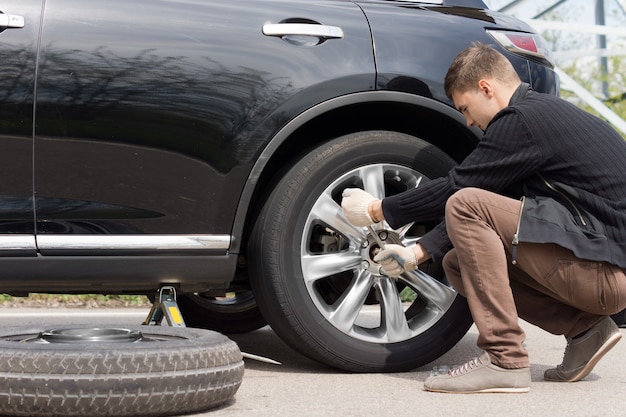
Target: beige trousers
x=548 y=287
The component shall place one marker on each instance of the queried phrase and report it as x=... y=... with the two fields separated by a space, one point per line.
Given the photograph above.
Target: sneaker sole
x=608 y=345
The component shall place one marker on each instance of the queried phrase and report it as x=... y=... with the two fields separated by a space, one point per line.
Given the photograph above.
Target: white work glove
x=355 y=204
x=396 y=259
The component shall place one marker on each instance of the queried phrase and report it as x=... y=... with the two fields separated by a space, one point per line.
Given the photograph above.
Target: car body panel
x=18 y=50
x=418 y=48
x=210 y=77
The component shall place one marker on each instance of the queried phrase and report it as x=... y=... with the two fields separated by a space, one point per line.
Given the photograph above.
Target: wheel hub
x=370 y=247
x=90 y=335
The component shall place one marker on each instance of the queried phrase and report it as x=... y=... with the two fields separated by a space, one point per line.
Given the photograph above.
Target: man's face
x=477 y=105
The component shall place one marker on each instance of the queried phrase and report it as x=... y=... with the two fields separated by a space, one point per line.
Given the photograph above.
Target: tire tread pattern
x=155 y=379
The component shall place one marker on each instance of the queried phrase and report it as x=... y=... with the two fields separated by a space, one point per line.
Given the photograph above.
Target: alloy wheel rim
x=344 y=282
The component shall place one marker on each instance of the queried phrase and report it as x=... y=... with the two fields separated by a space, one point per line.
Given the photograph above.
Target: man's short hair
x=477 y=62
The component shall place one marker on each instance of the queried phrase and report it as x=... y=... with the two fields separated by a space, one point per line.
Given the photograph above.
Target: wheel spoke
x=431 y=290
x=402 y=231
x=393 y=318
x=321 y=266
x=349 y=305
x=331 y=213
x=373 y=177
x=411 y=241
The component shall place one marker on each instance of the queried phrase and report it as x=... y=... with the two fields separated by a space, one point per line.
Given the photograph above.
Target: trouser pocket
x=594 y=287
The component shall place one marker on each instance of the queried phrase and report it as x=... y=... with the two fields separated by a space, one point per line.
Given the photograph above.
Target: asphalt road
x=301 y=387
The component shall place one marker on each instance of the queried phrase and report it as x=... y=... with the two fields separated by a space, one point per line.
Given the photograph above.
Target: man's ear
x=486 y=87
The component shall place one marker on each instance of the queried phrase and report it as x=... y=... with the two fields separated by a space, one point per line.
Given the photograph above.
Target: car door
x=150 y=113
x=18 y=51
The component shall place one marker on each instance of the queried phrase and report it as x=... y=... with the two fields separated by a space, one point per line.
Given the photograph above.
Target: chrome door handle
x=302 y=29
x=8 y=21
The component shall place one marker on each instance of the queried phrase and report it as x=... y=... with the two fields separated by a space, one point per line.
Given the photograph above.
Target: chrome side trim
x=133 y=242
x=17 y=242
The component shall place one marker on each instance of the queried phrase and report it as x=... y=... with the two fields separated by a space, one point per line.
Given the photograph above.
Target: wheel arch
x=428 y=119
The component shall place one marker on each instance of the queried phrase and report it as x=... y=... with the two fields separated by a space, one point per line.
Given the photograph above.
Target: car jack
x=165 y=306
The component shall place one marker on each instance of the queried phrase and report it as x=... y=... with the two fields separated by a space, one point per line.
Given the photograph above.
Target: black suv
x=205 y=144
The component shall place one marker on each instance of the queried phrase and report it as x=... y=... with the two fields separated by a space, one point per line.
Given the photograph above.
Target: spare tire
x=129 y=371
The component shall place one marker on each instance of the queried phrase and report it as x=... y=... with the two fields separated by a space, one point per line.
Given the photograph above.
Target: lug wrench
x=381 y=244
x=376 y=237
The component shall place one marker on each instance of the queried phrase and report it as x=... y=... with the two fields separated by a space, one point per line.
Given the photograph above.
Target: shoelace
x=567 y=348
x=466 y=367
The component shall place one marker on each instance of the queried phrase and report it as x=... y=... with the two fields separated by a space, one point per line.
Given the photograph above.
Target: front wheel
x=313 y=273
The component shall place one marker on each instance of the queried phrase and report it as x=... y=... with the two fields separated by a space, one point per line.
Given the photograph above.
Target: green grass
x=92 y=300
x=72 y=300
x=408 y=295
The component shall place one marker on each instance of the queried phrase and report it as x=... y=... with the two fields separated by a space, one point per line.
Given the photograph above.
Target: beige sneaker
x=480 y=376
x=582 y=354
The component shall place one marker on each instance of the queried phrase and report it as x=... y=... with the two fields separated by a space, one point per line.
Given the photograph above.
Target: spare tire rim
x=90 y=335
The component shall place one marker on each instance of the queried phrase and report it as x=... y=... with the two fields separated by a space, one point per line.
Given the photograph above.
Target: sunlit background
x=588 y=38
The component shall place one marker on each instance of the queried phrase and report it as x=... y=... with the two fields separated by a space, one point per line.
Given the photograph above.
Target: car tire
x=312 y=274
x=231 y=314
x=130 y=371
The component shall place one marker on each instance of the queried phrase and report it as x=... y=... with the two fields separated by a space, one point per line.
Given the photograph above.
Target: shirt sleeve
x=436 y=242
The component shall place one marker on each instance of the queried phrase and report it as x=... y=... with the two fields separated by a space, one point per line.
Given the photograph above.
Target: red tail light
x=531 y=45
x=523 y=42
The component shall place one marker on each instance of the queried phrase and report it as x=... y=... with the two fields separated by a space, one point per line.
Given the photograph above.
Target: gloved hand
x=355 y=204
x=396 y=259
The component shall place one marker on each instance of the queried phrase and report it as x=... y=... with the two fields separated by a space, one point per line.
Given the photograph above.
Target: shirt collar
x=519 y=94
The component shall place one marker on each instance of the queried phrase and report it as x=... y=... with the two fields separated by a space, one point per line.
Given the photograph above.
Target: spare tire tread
x=193 y=371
